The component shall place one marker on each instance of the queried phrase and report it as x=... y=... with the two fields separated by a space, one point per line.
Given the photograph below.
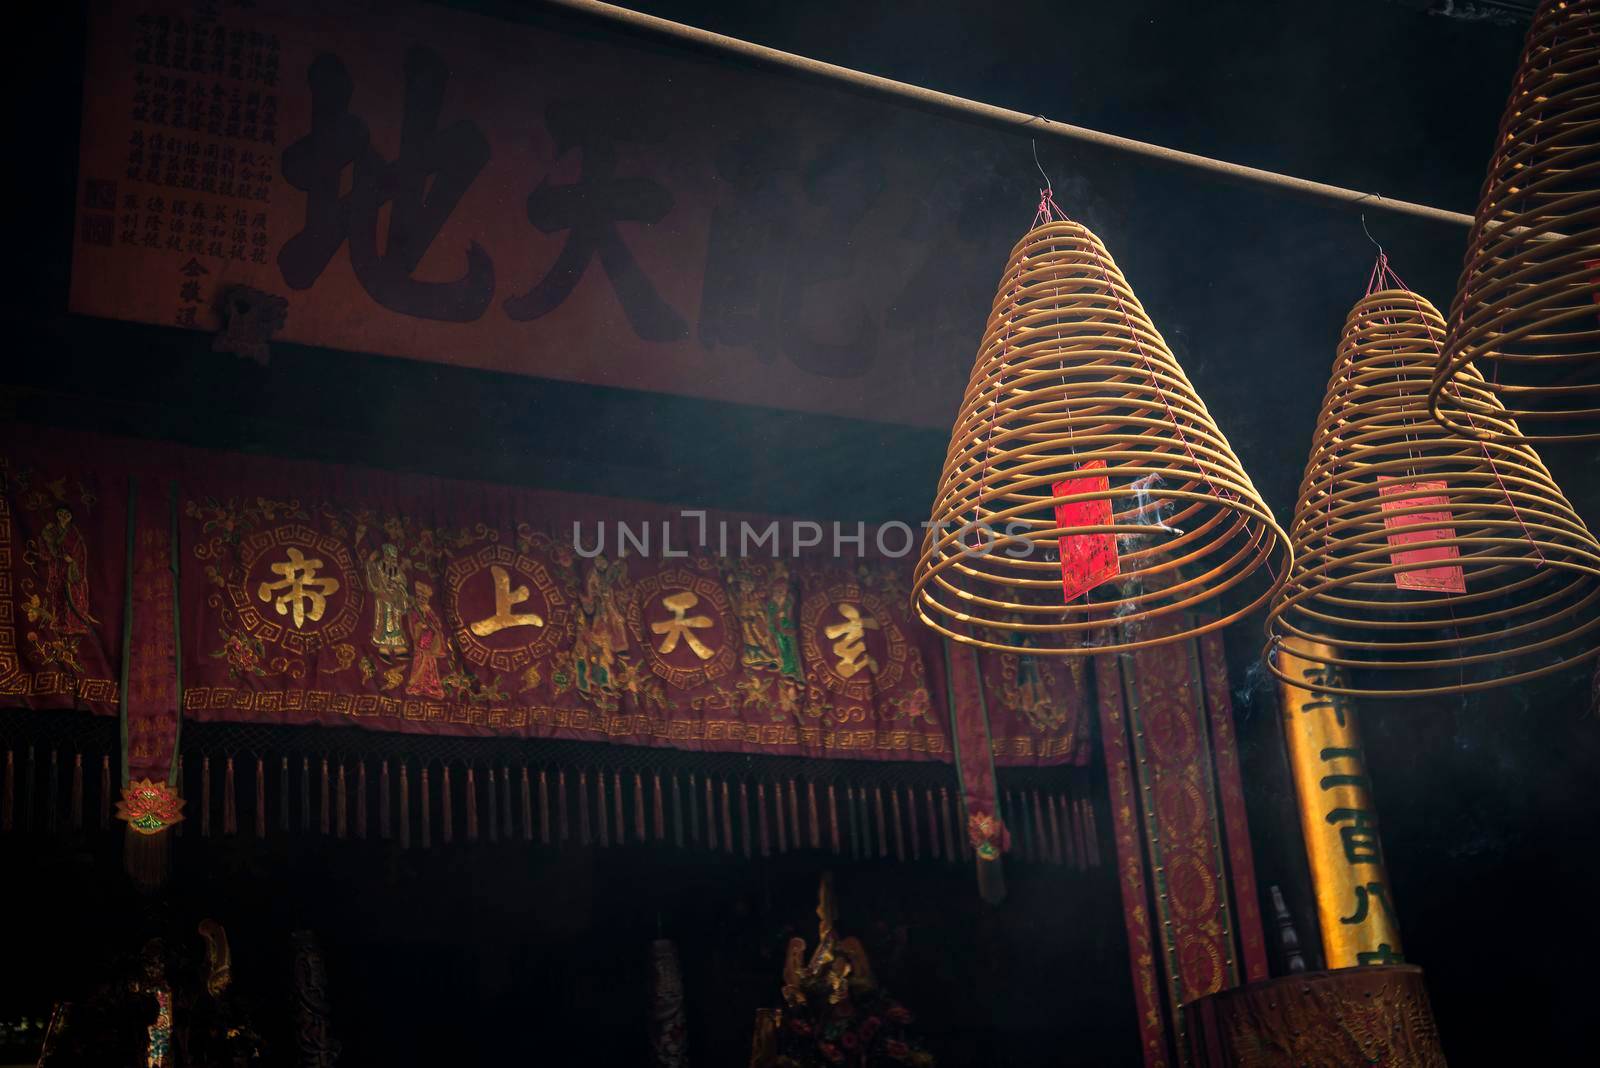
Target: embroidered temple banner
x=63 y=580
x=705 y=226
x=314 y=595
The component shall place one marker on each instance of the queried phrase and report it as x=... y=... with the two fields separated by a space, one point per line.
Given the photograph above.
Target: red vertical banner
x=1230 y=791
x=153 y=673
x=1086 y=559
x=969 y=727
x=1132 y=875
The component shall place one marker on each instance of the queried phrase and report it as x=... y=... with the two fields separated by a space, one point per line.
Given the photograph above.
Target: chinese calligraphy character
x=1338 y=703
x=505 y=599
x=589 y=210
x=1384 y=954
x=1360 y=838
x=681 y=626
x=777 y=262
x=1336 y=753
x=1364 y=896
x=422 y=186
x=850 y=644
x=303 y=592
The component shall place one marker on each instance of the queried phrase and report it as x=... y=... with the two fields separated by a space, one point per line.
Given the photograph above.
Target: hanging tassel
x=544 y=809
x=883 y=838
x=75 y=806
x=1041 y=844
x=205 y=796
x=53 y=795
x=447 y=808
x=1091 y=836
x=385 y=827
x=602 y=823
x=305 y=794
x=658 y=810
x=527 y=807
x=933 y=824
x=361 y=800
x=230 y=805
x=29 y=784
x=1058 y=850
x=794 y=817
x=105 y=791
x=324 y=810
x=638 y=808
x=727 y=821
x=341 y=826
x=472 y=804
x=814 y=822
x=621 y=837
x=745 y=837
x=584 y=837
x=711 y=816
x=405 y=805
x=899 y=837
x=261 y=798
x=505 y=803
x=283 y=796
x=494 y=806
x=761 y=813
x=694 y=812
x=833 y=819
x=855 y=828
x=561 y=801
x=677 y=813
x=8 y=800
x=1063 y=817
x=911 y=823
x=426 y=826
x=783 y=826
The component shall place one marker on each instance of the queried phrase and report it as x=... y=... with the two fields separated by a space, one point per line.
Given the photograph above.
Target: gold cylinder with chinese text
x=1355 y=907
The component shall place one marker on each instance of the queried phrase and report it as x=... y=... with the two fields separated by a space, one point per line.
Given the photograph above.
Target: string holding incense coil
x=1527 y=307
x=1429 y=561
x=1076 y=403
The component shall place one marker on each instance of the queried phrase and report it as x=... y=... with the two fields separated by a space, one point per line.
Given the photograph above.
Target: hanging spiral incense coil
x=1431 y=562
x=1073 y=383
x=1527 y=309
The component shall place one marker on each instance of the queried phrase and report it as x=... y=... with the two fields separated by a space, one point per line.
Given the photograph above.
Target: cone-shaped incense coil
x=1527 y=308
x=1442 y=563
x=1074 y=388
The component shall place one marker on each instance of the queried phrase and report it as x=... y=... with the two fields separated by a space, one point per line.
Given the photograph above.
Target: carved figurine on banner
x=386 y=581
x=427 y=645
x=602 y=628
x=66 y=560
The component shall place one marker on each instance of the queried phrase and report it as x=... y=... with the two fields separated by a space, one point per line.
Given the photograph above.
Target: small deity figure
x=602 y=630
x=387 y=581
x=66 y=577
x=427 y=645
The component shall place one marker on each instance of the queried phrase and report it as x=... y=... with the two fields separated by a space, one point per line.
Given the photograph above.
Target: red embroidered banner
x=153 y=671
x=1435 y=525
x=1086 y=559
x=315 y=594
x=63 y=578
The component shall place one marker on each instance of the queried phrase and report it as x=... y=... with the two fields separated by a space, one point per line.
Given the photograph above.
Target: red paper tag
x=1421 y=526
x=1086 y=559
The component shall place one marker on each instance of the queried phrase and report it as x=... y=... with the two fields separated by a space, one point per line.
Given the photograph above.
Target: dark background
x=1490 y=815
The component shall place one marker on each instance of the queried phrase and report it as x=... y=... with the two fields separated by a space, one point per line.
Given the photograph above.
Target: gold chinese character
x=850 y=645
x=303 y=592
x=681 y=626
x=505 y=599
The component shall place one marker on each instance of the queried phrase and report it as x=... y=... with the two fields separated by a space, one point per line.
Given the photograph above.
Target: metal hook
x=1370 y=237
x=1048 y=187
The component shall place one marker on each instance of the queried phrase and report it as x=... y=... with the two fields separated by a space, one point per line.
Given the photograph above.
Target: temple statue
x=834 y=1011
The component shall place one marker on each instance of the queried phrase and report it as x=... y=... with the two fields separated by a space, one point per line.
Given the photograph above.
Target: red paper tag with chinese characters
x=1421 y=526
x=1086 y=559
